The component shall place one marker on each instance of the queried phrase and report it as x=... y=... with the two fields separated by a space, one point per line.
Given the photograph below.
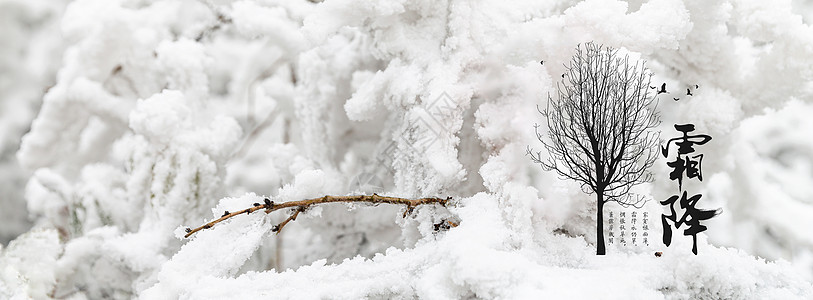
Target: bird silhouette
x=676 y=99
x=663 y=89
x=652 y=87
x=689 y=92
x=542 y=62
x=563 y=75
x=696 y=86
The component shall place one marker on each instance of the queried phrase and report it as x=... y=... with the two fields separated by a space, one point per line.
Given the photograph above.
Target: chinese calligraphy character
x=683 y=163
x=695 y=216
x=691 y=166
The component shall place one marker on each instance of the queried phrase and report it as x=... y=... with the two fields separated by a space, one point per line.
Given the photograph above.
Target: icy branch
x=302 y=205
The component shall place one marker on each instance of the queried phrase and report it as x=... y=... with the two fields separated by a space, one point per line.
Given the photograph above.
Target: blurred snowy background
x=124 y=121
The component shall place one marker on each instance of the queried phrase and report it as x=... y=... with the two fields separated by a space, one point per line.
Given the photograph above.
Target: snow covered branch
x=302 y=205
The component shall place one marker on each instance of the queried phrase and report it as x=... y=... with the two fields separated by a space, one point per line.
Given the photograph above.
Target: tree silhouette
x=600 y=129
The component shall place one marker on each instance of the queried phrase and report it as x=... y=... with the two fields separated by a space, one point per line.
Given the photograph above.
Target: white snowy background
x=124 y=121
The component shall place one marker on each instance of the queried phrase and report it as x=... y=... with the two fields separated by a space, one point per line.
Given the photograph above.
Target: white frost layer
x=473 y=259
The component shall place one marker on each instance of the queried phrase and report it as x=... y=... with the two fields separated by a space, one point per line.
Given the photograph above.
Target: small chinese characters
x=628 y=228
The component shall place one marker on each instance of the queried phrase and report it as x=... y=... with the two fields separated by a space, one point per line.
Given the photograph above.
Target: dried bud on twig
x=444 y=225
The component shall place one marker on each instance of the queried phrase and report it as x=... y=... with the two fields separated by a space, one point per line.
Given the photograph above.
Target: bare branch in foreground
x=302 y=205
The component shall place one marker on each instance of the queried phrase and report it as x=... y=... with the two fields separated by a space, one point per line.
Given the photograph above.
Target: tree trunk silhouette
x=600 y=250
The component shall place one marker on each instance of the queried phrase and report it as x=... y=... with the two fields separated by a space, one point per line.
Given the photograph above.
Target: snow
x=124 y=122
x=28 y=265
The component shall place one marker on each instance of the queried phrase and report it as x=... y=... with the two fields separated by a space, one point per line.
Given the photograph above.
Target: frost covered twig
x=278 y=228
x=302 y=205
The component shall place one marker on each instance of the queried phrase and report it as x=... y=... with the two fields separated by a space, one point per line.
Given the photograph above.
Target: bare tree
x=600 y=129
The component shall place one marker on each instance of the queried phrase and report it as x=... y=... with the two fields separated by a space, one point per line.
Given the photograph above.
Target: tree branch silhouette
x=600 y=127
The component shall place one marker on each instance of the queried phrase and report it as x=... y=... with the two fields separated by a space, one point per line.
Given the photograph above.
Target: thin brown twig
x=301 y=205
x=278 y=228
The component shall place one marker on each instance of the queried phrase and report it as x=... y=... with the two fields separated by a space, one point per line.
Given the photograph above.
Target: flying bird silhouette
x=676 y=99
x=542 y=62
x=696 y=86
x=663 y=88
x=689 y=92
